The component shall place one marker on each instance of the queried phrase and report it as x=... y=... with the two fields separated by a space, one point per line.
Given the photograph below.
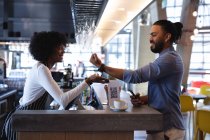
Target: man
x=164 y=76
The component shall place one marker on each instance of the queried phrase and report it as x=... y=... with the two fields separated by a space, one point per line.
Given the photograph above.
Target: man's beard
x=157 y=47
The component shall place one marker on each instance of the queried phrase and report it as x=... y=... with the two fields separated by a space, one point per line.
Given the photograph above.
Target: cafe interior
x=118 y=31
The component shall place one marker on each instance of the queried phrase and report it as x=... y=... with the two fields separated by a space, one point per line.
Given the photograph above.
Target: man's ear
x=168 y=37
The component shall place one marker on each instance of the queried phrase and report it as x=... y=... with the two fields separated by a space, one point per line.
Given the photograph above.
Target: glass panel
x=200 y=10
x=207 y=48
x=177 y=19
x=127 y=48
x=170 y=2
x=26 y=60
x=206 y=20
x=197 y=47
x=170 y=11
x=121 y=48
x=127 y=39
x=174 y=19
x=114 y=40
x=207 y=66
x=197 y=57
x=206 y=57
x=112 y=47
x=196 y=66
x=207 y=1
x=170 y=18
x=198 y=37
x=178 y=11
x=207 y=36
x=179 y=2
x=112 y=58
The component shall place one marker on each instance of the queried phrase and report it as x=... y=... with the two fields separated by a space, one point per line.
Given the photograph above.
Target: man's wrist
x=102 y=68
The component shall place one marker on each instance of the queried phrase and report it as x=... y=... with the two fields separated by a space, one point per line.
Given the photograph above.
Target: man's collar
x=167 y=50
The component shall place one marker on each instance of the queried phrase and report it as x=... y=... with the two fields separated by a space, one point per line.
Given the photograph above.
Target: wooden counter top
x=141 y=118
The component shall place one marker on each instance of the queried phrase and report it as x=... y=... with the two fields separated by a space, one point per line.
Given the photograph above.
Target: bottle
x=69 y=76
x=84 y=97
x=88 y=94
x=62 y=82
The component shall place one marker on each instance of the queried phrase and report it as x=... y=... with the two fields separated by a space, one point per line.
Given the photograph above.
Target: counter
x=7 y=101
x=85 y=124
x=7 y=92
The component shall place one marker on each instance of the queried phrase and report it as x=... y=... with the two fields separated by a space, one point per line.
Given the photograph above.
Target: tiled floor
x=141 y=135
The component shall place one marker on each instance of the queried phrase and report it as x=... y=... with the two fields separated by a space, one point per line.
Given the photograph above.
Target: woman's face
x=58 y=56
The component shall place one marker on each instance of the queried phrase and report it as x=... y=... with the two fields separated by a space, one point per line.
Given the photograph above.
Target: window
x=119 y=50
x=201 y=43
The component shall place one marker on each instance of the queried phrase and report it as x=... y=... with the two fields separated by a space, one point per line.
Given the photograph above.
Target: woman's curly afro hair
x=44 y=44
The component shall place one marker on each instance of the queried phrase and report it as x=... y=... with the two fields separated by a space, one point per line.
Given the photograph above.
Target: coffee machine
x=68 y=77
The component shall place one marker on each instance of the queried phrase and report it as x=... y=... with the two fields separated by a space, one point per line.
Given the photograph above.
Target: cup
x=118 y=104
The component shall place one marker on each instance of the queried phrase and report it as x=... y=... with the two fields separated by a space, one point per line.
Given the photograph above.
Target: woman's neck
x=48 y=64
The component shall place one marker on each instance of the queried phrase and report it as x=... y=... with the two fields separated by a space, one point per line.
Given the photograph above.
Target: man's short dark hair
x=175 y=29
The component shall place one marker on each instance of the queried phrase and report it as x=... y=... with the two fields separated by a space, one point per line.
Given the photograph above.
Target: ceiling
x=86 y=12
x=117 y=14
x=20 y=19
x=108 y=16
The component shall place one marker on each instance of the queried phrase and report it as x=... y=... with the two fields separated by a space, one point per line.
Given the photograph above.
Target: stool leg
x=201 y=135
x=195 y=135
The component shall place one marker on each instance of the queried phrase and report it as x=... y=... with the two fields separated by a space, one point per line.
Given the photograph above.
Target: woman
x=48 y=49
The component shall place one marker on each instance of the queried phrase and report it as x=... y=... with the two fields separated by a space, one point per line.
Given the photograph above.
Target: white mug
x=118 y=104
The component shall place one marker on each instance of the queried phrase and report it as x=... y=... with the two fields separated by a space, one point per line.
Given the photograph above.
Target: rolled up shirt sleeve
x=161 y=67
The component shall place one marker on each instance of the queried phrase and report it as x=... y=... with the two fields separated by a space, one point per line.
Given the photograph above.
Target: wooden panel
x=52 y=135
x=41 y=136
x=28 y=136
x=99 y=136
x=75 y=136
x=125 y=135
x=3 y=108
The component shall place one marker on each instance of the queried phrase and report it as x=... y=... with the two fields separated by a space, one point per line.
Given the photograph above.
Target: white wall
x=143 y=55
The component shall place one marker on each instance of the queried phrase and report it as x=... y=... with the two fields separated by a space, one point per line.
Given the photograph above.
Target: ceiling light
x=196 y=31
x=117 y=21
x=121 y=9
x=195 y=13
x=192 y=37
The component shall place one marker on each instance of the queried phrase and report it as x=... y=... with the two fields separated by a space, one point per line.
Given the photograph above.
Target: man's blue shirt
x=165 y=77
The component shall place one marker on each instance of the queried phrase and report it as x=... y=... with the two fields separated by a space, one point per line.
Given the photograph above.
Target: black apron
x=7 y=131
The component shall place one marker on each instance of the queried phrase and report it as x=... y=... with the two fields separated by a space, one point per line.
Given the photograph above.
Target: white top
x=40 y=80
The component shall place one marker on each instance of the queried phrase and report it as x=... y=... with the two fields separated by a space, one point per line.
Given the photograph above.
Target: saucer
x=119 y=109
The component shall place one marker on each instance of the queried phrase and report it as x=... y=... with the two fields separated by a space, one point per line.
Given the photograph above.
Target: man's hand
x=95 y=60
x=138 y=101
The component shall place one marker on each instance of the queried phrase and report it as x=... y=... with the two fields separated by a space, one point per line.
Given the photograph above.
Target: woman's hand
x=95 y=60
x=97 y=79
